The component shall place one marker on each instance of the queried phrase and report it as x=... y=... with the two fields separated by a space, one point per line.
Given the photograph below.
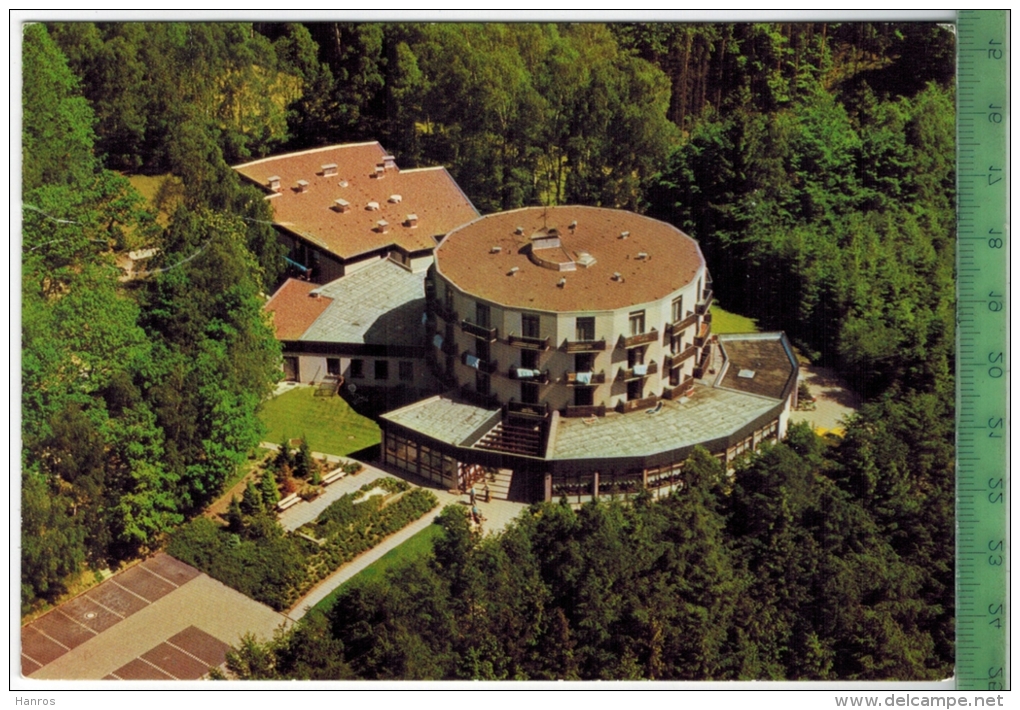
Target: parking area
x=159 y=620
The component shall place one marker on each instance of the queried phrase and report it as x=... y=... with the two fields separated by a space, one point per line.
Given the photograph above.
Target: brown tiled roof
x=429 y=193
x=294 y=309
x=767 y=355
x=467 y=258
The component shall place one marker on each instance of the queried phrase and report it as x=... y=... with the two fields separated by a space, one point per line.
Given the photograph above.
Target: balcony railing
x=679 y=390
x=584 y=379
x=479 y=399
x=582 y=410
x=706 y=301
x=672 y=361
x=523 y=341
x=526 y=375
x=486 y=366
x=585 y=346
x=441 y=309
x=634 y=341
x=635 y=404
x=522 y=409
x=627 y=374
x=686 y=322
x=479 y=331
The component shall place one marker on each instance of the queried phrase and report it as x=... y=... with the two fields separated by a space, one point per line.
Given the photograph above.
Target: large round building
x=576 y=344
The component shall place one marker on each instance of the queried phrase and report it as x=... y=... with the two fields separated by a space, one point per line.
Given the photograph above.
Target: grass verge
x=726 y=322
x=328 y=423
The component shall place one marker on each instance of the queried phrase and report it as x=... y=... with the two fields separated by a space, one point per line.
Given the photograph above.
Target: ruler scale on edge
x=982 y=365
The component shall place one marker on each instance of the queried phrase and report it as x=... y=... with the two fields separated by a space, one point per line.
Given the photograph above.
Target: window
x=382 y=369
x=482 y=315
x=481 y=383
x=584 y=396
x=529 y=359
x=678 y=309
x=674 y=343
x=529 y=326
x=483 y=350
x=529 y=393
x=635 y=389
x=586 y=328
x=674 y=377
x=406 y=370
x=584 y=362
x=357 y=368
x=637 y=322
x=333 y=366
x=635 y=356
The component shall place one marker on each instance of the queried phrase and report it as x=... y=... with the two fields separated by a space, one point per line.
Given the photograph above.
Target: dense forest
x=813 y=162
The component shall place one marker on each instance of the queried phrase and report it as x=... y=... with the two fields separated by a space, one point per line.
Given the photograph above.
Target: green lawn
x=328 y=423
x=726 y=322
x=414 y=548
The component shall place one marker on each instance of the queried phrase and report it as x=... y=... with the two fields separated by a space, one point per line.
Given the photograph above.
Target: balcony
x=441 y=310
x=585 y=346
x=522 y=409
x=478 y=399
x=584 y=379
x=526 y=375
x=641 y=339
x=523 y=341
x=479 y=331
x=636 y=404
x=591 y=410
x=680 y=390
x=487 y=366
x=672 y=361
x=706 y=301
x=679 y=327
x=637 y=372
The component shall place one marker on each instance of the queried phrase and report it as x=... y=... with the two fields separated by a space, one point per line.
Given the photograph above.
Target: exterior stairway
x=513 y=437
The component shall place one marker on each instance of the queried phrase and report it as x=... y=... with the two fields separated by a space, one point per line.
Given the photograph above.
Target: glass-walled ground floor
x=576 y=481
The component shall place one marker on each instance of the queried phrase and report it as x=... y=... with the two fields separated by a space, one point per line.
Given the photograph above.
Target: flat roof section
x=708 y=414
x=607 y=259
x=306 y=202
x=381 y=304
x=757 y=363
x=442 y=418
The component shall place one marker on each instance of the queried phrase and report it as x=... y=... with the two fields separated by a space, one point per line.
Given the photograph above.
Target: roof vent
x=274 y=183
x=411 y=221
x=380 y=171
x=372 y=206
x=343 y=183
x=495 y=250
x=302 y=186
x=514 y=270
x=624 y=235
x=617 y=276
x=341 y=206
x=746 y=374
x=519 y=230
x=642 y=255
x=390 y=163
x=584 y=259
x=396 y=199
x=562 y=283
x=573 y=225
x=329 y=170
x=382 y=226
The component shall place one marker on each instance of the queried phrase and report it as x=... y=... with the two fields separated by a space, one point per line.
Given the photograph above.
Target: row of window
x=584 y=326
x=381 y=369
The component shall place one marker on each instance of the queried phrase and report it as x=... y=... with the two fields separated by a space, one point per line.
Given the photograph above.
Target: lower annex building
x=571 y=347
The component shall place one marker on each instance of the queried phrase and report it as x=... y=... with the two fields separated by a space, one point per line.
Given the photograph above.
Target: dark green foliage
x=269 y=568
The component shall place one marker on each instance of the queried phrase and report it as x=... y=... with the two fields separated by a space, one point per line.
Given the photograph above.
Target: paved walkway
x=497 y=514
x=833 y=400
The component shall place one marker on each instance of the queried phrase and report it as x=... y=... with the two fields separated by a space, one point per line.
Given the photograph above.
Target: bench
x=333 y=476
x=288 y=502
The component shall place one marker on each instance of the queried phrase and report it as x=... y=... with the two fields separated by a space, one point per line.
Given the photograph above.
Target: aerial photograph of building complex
x=534 y=352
